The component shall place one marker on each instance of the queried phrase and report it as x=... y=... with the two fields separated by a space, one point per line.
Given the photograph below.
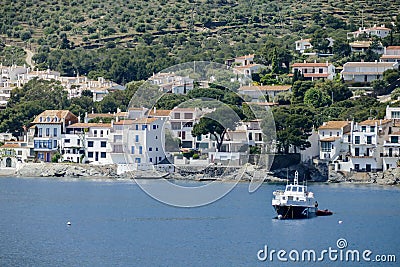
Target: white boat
x=295 y=202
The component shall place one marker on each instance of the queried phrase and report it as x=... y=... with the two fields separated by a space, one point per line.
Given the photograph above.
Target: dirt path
x=29 y=55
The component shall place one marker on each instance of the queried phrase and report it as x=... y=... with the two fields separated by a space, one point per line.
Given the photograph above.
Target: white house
x=13 y=152
x=172 y=83
x=366 y=147
x=391 y=54
x=391 y=151
x=362 y=47
x=314 y=71
x=366 y=71
x=302 y=45
x=379 y=31
x=49 y=126
x=267 y=91
x=334 y=137
x=145 y=142
x=87 y=142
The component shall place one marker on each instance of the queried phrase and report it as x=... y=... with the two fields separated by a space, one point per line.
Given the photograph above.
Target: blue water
x=117 y=224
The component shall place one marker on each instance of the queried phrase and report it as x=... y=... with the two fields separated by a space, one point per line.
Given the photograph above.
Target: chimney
x=112 y=123
x=154 y=110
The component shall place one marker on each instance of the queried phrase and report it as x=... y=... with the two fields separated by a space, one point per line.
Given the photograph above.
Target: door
x=368 y=167
x=8 y=162
x=96 y=156
x=357 y=151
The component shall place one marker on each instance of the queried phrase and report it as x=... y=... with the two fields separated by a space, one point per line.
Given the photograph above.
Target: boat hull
x=294 y=212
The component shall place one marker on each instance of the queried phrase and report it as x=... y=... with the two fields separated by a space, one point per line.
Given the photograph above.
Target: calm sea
x=117 y=224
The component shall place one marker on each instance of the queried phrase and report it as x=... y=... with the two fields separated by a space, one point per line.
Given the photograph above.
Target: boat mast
x=296 y=178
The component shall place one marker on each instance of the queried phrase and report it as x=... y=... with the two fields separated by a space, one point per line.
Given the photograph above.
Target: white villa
x=391 y=54
x=314 y=71
x=366 y=71
x=255 y=92
x=302 y=45
x=334 y=137
x=49 y=126
x=379 y=31
x=172 y=83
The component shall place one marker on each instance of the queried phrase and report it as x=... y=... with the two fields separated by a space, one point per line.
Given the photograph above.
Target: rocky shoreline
x=244 y=174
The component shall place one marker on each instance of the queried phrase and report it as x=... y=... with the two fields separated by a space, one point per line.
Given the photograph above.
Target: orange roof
x=323 y=75
x=373 y=122
x=334 y=125
x=247 y=66
x=88 y=125
x=145 y=120
x=311 y=64
x=262 y=103
x=245 y=57
x=330 y=139
x=361 y=44
x=395 y=133
x=390 y=56
x=124 y=122
x=304 y=40
x=107 y=115
x=10 y=146
x=369 y=64
x=393 y=47
x=55 y=116
x=159 y=112
x=265 y=88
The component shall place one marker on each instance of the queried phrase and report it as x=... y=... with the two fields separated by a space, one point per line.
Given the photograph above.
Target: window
x=325 y=146
x=321 y=70
x=337 y=133
x=154 y=127
x=78 y=142
x=323 y=133
x=103 y=144
x=357 y=140
x=137 y=160
x=156 y=148
x=137 y=127
x=47 y=131
x=177 y=115
x=19 y=152
x=55 y=143
x=90 y=143
x=103 y=155
x=369 y=140
x=67 y=141
x=188 y=116
x=90 y=154
x=133 y=150
x=357 y=151
x=150 y=149
x=95 y=133
x=55 y=132
x=151 y=159
x=40 y=132
x=101 y=133
x=159 y=158
x=394 y=139
x=372 y=129
x=136 y=138
x=330 y=133
x=140 y=150
x=363 y=128
x=144 y=127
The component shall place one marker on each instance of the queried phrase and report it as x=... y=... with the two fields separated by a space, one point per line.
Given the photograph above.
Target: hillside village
x=143 y=138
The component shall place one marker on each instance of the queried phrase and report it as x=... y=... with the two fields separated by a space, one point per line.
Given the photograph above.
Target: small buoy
x=340 y=222
x=279 y=217
x=68 y=223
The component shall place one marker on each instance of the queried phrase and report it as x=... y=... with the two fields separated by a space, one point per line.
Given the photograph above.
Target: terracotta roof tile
x=373 y=122
x=145 y=120
x=310 y=64
x=159 y=112
x=334 y=125
x=88 y=125
x=330 y=139
x=265 y=88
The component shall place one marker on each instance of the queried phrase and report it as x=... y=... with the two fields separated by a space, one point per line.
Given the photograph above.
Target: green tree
x=299 y=88
x=217 y=123
x=316 y=98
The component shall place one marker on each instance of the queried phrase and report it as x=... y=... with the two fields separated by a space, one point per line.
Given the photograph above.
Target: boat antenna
x=287 y=176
